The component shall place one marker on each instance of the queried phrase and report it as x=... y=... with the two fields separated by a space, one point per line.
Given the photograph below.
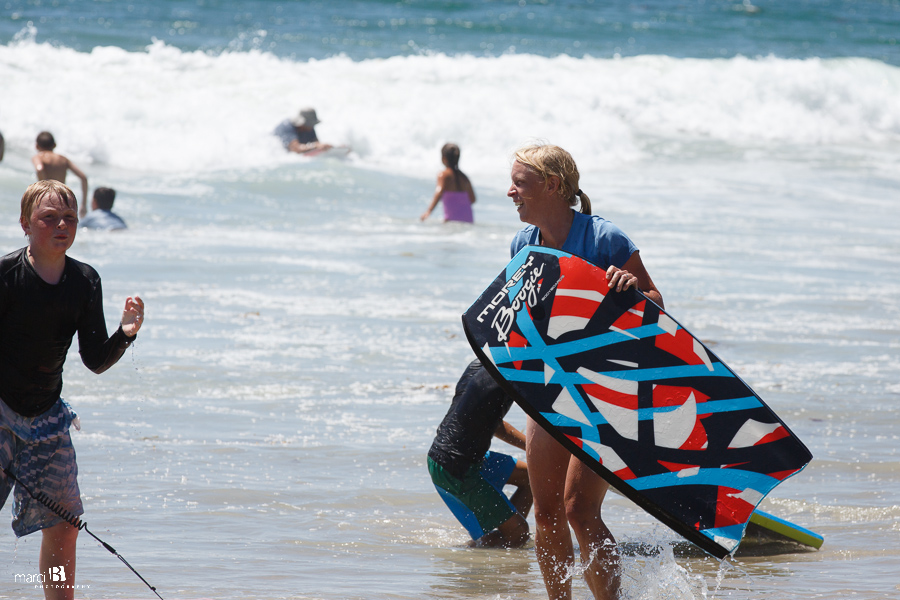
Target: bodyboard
x=333 y=152
x=769 y=526
x=629 y=391
x=766 y=535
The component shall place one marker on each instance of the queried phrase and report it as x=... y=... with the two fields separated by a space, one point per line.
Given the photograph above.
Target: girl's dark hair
x=450 y=154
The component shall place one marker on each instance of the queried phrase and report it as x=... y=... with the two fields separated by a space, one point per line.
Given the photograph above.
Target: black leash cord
x=76 y=523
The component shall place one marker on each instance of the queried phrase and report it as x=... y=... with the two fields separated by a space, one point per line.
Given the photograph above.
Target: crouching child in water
x=46 y=298
x=468 y=476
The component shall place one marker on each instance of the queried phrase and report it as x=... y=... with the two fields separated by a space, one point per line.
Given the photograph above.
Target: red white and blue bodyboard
x=633 y=394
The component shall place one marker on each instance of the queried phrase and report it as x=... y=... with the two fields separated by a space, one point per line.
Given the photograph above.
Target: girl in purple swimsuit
x=453 y=188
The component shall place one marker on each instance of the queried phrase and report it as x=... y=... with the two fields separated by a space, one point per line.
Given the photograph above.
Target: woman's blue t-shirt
x=591 y=237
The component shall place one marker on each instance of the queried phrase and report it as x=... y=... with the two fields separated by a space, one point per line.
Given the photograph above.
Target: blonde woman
x=545 y=190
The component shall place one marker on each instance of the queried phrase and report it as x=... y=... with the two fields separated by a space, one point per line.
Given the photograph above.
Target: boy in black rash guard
x=470 y=478
x=45 y=298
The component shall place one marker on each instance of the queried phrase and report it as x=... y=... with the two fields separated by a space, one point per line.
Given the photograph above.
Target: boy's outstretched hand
x=132 y=316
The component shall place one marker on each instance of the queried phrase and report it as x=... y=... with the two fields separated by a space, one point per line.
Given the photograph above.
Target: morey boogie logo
x=505 y=316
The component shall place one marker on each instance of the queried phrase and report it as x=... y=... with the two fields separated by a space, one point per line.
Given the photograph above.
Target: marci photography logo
x=54 y=574
x=55 y=578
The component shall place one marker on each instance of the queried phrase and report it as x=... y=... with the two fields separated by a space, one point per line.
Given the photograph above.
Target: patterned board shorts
x=477 y=501
x=39 y=452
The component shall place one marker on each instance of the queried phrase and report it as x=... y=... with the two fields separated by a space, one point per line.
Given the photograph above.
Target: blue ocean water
x=383 y=28
x=265 y=438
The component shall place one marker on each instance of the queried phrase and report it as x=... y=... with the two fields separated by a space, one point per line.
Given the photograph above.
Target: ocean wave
x=167 y=110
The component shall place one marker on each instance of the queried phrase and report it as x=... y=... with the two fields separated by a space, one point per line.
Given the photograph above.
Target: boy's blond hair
x=37 y=191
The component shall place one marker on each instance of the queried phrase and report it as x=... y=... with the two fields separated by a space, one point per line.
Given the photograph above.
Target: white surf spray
x=168 y=110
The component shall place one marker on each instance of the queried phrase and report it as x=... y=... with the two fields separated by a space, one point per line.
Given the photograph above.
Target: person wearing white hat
x=299 y=134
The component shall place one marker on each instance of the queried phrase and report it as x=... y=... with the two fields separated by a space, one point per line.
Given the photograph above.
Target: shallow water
x=265 y=438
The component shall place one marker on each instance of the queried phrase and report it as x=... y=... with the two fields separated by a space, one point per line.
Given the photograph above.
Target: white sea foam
x=172 y=111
